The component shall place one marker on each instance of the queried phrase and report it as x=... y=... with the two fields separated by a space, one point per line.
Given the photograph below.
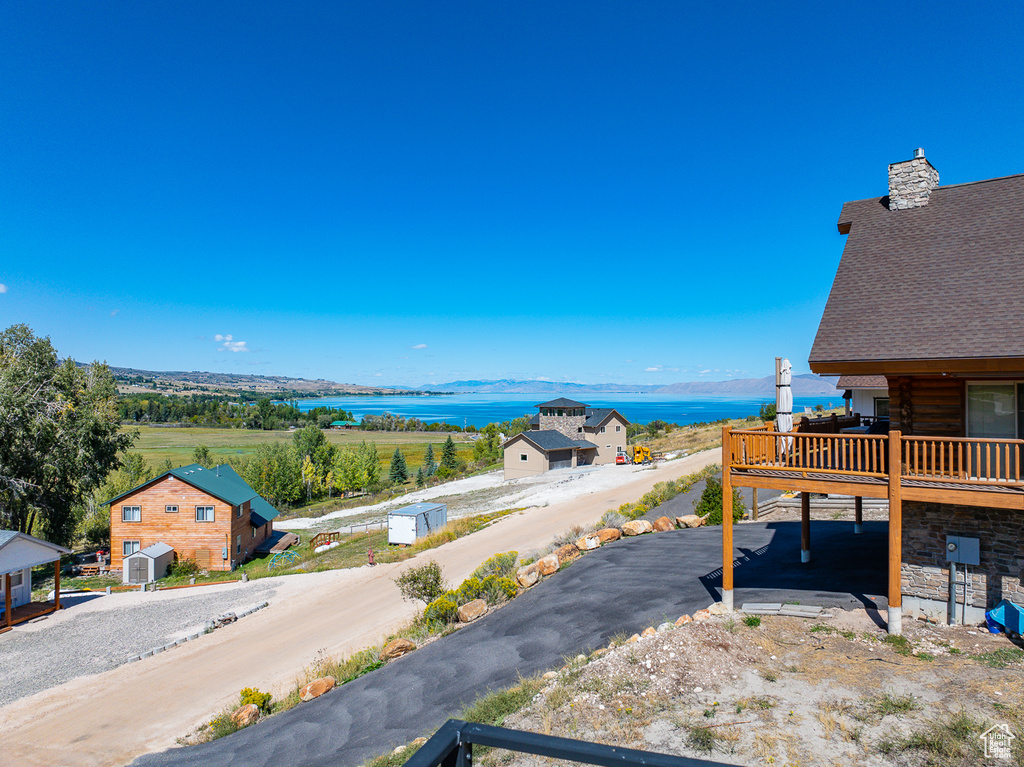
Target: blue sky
x=409 y=192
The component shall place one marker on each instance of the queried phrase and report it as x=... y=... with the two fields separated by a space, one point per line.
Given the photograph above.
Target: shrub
x=767 y=412
x=260 y=699
x=499 y=565
x=710 y=504
x=443 y=609
x=495 y=589
x=183 y=568
x=468 y=591
x=612 y=519
x=424 y=582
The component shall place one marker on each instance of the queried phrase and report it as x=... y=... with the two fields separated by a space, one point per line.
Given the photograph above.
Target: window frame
x=1017 y=413
x=20 y=575
x=125 y=511
x=524 y=457
x=136 y=547
x=170 y=508
x=212 y=517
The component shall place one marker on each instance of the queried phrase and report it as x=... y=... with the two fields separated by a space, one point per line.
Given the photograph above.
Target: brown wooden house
x=209 y=515
x=928 y=294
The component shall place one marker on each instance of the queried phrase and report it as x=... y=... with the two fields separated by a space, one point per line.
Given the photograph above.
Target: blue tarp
x=1005 y=616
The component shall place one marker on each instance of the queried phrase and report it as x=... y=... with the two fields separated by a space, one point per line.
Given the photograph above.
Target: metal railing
x=452 y=746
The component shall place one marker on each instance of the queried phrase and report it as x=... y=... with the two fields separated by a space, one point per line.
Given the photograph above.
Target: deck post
x=895 y=535
x=805 y=527
x=7 y=599
x=858 y=515
x=753 y=504
x=56 y=585
x=727 y=555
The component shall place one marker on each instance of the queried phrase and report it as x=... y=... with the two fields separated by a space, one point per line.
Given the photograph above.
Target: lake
x=481 y=409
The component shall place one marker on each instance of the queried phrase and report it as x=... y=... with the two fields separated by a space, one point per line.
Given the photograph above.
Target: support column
x=7 y=599
x=895 y=536
x=56 y=585
x=753 y=504
x=858 y=515
x=727 y=555
x=805 y=527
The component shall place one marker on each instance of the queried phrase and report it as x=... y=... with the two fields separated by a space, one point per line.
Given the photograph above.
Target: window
x=131 y=513
x=523 y=457
x=204 y=513
x=171 y=509
x=129 y=547
x=602 y=430
x=579 y=429
x=993 y=410
x=618 y=427
x=608 y=446
x=881 y=407
x=253 y=532
x=238 y=544
x=239 y=512
x=16 y=578
x=618 y=448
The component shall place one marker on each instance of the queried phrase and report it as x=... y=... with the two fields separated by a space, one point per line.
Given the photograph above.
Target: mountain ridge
x=806 y=384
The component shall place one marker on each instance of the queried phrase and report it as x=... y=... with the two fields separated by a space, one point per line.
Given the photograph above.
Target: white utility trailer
x=407 y=524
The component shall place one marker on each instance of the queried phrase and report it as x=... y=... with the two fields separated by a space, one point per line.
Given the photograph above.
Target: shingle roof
x=561 y=402
x=862 y=382
x=939 y=282
x=596 y=416
x=535 y=419
x=549 y=439
x=221 y=482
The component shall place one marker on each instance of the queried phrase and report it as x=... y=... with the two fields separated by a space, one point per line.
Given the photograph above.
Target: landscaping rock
x=634 y=638
x=547 y=565
x=609 y=534
x=528 y=575
x=648 y=632
x=246 y=715
x=567 y=553
x=663 y=524
x=396 y=648
x=690 y=520
x=549 y=675
x=472 y=610
x=664 y=627
x=683 y=620
x=637 y=527
x=418 y=741
x=316 y=688
x=702 y=615
x=599 y=652
x=399 y=750
x=718 y=608
x=589 y=542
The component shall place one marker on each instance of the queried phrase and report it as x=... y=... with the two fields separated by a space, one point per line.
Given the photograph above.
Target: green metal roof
x=221 y=482
x=344 y=423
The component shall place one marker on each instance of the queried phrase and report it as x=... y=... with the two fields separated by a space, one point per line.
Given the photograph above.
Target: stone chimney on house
x=911 y=182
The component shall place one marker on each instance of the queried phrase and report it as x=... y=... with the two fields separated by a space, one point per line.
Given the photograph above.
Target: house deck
x=26 y=612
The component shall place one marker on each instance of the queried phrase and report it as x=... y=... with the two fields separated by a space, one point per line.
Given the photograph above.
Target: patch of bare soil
x=835 y=691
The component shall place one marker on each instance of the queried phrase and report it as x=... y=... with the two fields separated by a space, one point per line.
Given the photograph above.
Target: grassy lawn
x=158 y=444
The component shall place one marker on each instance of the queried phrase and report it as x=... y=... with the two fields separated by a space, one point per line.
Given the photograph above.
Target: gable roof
x=221 y=482
x=597 y=416
x=20 y=550
x=153 y=551
x=561 y=402
x=549 y=439
x=939 y=282
x=862 y=382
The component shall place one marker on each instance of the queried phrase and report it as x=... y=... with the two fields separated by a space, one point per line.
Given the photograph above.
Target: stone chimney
x=911 y=182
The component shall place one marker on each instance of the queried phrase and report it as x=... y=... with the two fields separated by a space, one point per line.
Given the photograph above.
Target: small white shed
x=407 y=524
x=147 y=565
x=19 y=553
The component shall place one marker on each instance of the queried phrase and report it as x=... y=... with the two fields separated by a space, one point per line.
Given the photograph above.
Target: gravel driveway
x=95 y=633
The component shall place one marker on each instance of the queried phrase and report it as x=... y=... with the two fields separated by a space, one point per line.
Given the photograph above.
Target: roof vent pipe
x=918 y=154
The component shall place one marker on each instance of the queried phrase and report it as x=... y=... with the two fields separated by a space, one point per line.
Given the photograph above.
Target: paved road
x=622 y=587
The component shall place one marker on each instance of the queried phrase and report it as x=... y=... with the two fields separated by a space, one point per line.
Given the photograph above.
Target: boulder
x=648 y=632
x=690 y=520
x=609 y=534
x=418 y=742
x=316 y=688
x=634 y=638
x=637 y=527
x=666 y=626
x=567 y=553
x=396 y=648
x=528 y=575
x=701 y=615
x=683 y=620
x=663 y=524
x=547 y=565
x=246 y=715
x=589 y=542
x=399 y=750
x=599 y=652
x=548 y=675
x=718 y=609
x=472 y=610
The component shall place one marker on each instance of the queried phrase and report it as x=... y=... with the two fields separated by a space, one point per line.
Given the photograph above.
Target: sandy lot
x=146 y=705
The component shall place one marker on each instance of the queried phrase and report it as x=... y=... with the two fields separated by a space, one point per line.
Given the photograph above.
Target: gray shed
x=147 y=565
x=407 y=524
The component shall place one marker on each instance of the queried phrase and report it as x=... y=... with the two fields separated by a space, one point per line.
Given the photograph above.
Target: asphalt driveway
x=622 y=587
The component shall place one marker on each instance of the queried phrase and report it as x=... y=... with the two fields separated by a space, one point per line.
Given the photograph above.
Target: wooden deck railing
x=966 y=460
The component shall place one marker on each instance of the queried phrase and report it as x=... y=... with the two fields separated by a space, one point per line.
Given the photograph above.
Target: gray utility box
x=962 y=551
x=407 y=524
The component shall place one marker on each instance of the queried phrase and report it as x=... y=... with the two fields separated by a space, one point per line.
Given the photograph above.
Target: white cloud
x=228 y=344
x=419 y=346
x=3 y=288
x=653 y=369
x=377 y=375
x=114 y=312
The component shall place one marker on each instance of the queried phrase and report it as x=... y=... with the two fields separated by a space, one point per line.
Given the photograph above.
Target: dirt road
x=110 y=718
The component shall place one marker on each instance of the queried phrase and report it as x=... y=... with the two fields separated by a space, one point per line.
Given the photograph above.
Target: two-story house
x=210 y=515
x=565 y=434
x=927 y=298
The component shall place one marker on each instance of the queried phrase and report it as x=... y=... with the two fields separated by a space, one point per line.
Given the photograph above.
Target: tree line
x=225 y=411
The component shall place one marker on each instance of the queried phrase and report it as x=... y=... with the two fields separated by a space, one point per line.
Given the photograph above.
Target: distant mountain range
x=805 y=385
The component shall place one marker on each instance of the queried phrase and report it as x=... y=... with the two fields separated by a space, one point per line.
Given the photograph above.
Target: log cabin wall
x=929 y=406
x=202 y=541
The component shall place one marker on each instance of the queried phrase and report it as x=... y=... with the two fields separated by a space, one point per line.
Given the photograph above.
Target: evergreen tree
x=420 y=481
x=449 y=458
x=399 y=471
x=429 y=464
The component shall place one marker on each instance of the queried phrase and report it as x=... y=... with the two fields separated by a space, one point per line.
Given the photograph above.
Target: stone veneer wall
x=1001 y=534
x=569 y=425
x=911 y=183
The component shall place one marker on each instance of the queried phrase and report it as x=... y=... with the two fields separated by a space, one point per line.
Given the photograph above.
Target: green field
x=157 y=444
